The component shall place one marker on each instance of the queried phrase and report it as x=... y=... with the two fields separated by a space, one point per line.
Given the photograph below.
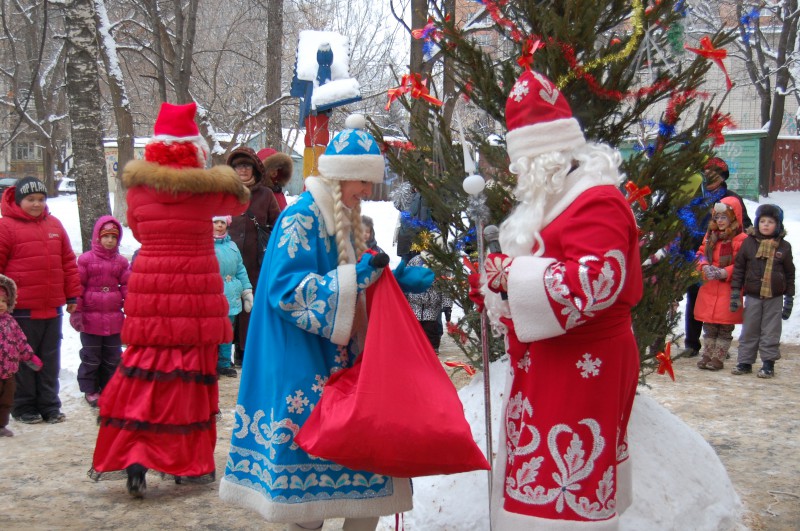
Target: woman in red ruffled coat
x=159 y=409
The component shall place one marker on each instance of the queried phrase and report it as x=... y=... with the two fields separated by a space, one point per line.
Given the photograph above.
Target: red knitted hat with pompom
x=177 y=141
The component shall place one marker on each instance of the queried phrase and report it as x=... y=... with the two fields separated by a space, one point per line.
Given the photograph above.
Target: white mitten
x=247 y=300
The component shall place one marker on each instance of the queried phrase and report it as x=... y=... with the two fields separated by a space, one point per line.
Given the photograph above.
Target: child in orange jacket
x=715 y=259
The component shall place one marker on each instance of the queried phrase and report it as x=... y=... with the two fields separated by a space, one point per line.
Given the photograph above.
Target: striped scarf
x=766 y=250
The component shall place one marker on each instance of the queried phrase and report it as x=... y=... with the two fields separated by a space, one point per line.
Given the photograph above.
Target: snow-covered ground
x=679 y=482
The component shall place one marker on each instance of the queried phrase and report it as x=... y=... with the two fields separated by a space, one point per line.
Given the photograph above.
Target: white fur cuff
x=528 y=299
x=345 y=304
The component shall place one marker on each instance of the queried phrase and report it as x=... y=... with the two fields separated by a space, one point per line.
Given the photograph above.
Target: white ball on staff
x=473 y=184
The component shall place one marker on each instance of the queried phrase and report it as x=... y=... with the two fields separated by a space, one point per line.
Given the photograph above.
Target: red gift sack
x=395 y=412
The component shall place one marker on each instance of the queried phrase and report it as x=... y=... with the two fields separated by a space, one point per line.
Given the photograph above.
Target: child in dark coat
x=14 y=348
x=764 y=270
x=104 y=278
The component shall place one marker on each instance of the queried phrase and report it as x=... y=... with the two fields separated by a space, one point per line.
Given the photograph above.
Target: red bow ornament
x=469 y=369
x=416 y=86
x=637 y=194
x=708 y=51
x=528 y=49
x=665 y=362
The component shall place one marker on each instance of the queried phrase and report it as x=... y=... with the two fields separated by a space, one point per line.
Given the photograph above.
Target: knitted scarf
x=766 y=250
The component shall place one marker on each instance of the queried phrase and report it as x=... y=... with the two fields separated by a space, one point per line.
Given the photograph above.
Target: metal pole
x=487 y=386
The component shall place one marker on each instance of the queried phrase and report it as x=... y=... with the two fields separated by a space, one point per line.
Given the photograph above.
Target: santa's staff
x=474 y=185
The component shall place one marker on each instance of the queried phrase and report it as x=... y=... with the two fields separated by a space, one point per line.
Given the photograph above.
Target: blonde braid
x=338 y=217
x=359 y=235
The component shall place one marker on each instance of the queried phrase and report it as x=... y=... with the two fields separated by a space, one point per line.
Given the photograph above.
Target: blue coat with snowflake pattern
x=301 y=327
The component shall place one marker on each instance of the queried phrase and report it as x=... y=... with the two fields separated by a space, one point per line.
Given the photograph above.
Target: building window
x=27 y=151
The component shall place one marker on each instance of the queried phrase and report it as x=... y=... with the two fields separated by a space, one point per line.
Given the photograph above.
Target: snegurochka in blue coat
x=309 y=321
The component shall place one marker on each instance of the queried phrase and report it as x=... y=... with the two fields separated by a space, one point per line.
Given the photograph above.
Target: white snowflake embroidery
x=525 y=363
x=597 y=294
x=343 y=356
x=297 y=402
x=305 y=307
x=272 y=433
x=520 y=90
x=320 y=383
x=295 y=233
x=589 y=366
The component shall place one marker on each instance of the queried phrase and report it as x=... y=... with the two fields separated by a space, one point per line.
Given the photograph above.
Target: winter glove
x=475 y=294
x=413 y=279
x=378 y=261
x=497 y=265
x=709 y=272
x=720 y=273
x=76 y=320
x=247 y=300
x=788 y=301
x=448 y=312
x=369 y=268
x=35 y=363
x=736 y=300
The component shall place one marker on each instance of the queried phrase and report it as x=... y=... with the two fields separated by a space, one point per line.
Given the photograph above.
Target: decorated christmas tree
x=632 y=82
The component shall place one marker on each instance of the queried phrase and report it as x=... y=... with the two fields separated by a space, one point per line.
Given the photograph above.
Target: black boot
x=767 y=370
x=136 y=481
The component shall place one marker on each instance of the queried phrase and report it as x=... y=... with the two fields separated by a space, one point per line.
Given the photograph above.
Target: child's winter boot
x=767 y=370
x=742 y=368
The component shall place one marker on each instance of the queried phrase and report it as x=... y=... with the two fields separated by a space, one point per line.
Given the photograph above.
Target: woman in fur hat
x=159 y=410
x=311 y=319
x=250 y=230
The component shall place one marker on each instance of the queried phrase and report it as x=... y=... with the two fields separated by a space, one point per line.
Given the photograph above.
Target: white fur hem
x=398 y=502
x=345 y=304
x=352 y=167
x=506 y=521
x=624 y=485
x=534 y=140
x=528 y=300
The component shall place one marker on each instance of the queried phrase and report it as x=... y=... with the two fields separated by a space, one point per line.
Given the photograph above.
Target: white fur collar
x=321 y=192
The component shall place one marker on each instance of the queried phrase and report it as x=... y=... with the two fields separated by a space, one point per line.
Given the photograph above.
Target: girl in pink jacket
x=14 y=348
x=715 y=260
x=104 y=278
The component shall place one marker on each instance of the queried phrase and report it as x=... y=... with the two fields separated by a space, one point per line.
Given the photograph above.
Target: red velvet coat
x=159 y=408
x=37 y=255
x=563 y=458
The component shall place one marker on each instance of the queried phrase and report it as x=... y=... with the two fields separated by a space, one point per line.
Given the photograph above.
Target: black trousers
x=694 y=328
x=37 y=392
x=100 y=356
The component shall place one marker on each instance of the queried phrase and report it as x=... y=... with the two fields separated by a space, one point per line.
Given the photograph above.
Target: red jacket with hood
x=714 y=298
x=36 y=253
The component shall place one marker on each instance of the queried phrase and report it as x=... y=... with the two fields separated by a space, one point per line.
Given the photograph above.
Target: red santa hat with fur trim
x=539 y=119
x=177 y=141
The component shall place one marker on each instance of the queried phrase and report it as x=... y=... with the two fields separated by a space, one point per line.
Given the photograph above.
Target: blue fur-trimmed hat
x=353 y=154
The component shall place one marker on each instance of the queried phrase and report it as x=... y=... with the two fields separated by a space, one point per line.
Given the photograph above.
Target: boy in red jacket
x=36 y=253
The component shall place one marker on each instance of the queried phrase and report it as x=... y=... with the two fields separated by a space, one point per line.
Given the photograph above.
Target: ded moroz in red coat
x=562 y=460
x=159 y=408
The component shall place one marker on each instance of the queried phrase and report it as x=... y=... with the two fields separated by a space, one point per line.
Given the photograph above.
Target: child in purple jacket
x=14 y=348
x=104 y=278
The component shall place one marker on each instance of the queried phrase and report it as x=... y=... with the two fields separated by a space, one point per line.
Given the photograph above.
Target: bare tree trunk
x=122 y=109
x=83 y=90
x=787 y=38
x=419 y=109
x=273 y=131
x=185 y=27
